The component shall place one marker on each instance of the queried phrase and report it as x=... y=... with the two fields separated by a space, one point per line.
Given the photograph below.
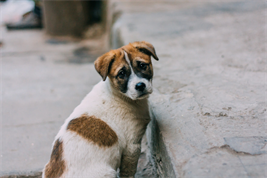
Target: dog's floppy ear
x=146 y=48
x=103 y=64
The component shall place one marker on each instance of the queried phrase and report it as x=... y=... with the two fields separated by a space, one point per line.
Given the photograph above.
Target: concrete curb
x=205 y=120
x=158 y=153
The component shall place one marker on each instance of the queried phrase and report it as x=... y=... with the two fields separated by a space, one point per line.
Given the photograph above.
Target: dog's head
x=129 y=69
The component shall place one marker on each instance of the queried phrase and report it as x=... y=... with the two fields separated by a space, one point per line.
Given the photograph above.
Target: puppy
x=104 y=132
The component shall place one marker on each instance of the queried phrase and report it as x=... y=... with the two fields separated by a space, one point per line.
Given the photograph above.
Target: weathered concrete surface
x=43 y=80
x=210 y=96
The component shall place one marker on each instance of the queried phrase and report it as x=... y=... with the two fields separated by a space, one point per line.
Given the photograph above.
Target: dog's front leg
x=129 y=161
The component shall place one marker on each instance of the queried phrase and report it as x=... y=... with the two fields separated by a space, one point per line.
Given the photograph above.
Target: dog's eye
x=142 y=65
x=121 y=74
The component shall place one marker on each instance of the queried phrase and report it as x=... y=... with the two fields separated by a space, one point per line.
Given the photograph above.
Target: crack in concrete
x=231 y=150
x=180 y=168
x=243 y=166
x=263 y=145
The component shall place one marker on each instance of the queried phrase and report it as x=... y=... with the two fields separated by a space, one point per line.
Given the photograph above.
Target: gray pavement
x=210 y=92
x=43 y=80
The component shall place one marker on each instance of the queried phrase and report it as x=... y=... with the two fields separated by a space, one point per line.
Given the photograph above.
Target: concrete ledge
x=208 y=103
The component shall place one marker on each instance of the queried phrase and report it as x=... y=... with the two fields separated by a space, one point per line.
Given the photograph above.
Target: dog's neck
x=116 y=94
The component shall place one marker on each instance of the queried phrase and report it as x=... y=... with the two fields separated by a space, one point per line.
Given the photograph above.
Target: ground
x=43 y=80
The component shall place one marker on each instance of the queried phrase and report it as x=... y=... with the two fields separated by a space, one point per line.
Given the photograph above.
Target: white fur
x=128 y=118
x=133 y=80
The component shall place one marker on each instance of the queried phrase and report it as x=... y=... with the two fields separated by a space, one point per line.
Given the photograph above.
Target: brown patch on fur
x=113 y=61
x=120 y=63
x=135 y=55
x=94 y=130
x=147 y=46
x=104 y=62
x=139 y=45
x=56 y=165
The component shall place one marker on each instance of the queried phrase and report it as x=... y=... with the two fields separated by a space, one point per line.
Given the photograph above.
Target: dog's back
x=80 y=147
x=91 y=141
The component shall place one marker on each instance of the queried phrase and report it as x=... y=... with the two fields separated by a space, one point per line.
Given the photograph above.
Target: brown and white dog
x=104 y=132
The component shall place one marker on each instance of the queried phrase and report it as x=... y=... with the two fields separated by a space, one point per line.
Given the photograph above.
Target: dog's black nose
x=140 y=86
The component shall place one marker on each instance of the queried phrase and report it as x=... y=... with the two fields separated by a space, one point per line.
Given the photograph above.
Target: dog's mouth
x=143 y=95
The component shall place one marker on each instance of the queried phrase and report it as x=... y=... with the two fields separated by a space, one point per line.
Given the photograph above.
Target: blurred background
x=209 y=101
